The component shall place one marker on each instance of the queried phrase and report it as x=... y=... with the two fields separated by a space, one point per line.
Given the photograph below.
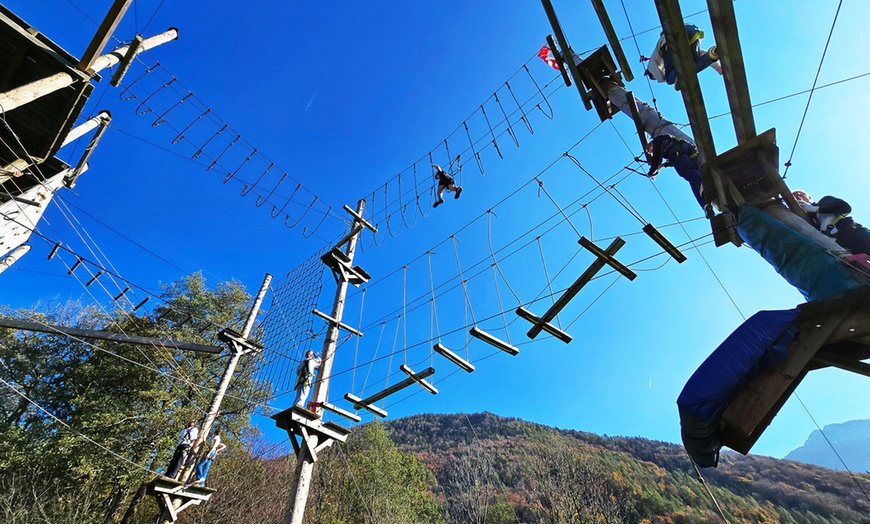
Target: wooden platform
x=304 y=423
x=165 y=489
x=833 y=332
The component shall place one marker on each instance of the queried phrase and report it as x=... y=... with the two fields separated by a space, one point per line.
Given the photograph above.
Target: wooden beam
x=104 y=33
x=759 y=401
x=827 y=358
x=560 y=61
x=575 y=288
x=453 y=357
x=358 y=404
x=422 y=383
x=733 y=69
x=546 y=326
x=612 y=39
x=338 y=411
x=398 y=386
x=357 y=217
x=665 y=244
x=607 y=258
x=687 y=78
x=638 y=123
x=341 y=325
x=107 y=335
x=567 y=53
x=493 y=341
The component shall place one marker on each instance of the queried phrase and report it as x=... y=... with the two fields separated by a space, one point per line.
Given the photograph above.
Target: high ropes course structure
x=505 y=303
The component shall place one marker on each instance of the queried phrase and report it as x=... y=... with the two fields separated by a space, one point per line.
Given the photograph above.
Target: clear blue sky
x=345 y=96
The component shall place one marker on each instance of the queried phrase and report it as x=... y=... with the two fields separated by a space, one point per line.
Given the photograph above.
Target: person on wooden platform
x=305 y=377
x=831 y=216
x=683 y=157
x=661 y=63
x=445 y=181
x=185 y=441
x=202 y=468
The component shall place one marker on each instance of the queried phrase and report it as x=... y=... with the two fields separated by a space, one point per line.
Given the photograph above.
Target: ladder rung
x=546 y=326
x=357 y=404
x=491 y=340
x=453 y=357
x=423 y=384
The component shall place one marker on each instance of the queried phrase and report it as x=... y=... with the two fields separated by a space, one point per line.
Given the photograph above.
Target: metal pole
x=304 y=461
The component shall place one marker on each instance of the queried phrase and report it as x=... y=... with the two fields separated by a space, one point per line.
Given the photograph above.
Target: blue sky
x=345 y=96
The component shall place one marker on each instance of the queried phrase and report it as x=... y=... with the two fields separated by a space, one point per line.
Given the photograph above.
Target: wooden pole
x=104 y=32
x=304 y=460
x=214 y=408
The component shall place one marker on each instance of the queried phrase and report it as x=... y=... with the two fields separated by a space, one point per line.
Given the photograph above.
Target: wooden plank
x=358 y=218
x=546 y=326
x=341 y=325
x=575 y=288
x=638 y=123
x=107 y=335
x=827 y=358
x=733 y=68
x=608 y=258
x=566 y=51
x=687 y=78
x=665 y=244
x=612 y=39
x=398 y=386
x=357 y=404
x=422 y=383
x=560 y=61
x=453 y=357
x=759 y=401
x=493 y=341
x=338 y=411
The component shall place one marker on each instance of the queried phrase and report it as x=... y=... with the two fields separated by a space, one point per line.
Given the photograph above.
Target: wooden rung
x=546 y=326
x=575 y=288
x=342 y=412
x=453 y=357
x=612 y=39
x=660 y=239
x=74 y=267
x=638 y=124
x=94 y=278
x=341 y=325
x=491 y=340
x=559 y=60
x=361 y=220
x=358 y=404
x=423 y=384
x=607 y=258
x=54 y=251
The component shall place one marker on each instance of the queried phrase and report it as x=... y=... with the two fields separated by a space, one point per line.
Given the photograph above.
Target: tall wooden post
x=238 y=348
x=304 y=460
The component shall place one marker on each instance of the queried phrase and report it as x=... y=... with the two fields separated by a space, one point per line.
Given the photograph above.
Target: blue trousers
x=690 y=170
x=202 y=468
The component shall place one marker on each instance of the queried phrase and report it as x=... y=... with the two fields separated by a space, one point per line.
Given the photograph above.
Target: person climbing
x=202 y=468
x=683 y=157
x=305 y=377
x=445 y=181
x=831 y=216
x=185 y=441
x=661 y=63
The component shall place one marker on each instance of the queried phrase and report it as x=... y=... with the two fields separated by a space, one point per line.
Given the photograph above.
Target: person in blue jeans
x=683 y=157
x=661 y=63
x=202 y=468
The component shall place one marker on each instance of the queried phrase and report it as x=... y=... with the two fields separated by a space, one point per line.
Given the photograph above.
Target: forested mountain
x=851 y=440
x=486 y=469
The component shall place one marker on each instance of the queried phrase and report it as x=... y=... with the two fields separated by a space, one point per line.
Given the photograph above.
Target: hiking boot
x=438 y=203
x=458 y=192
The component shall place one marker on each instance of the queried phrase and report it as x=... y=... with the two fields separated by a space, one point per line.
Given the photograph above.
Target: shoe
x=712 y=53
x=458 y=192
x=438 y=203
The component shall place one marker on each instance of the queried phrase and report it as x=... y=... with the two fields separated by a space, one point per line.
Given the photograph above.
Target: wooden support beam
x=827 y=358
x=687 y=78
x=107 y=335
x=560 y=60
x=567 y=52
x=356 y=216
x=493 y=341
x=422 y=383
x=338 y=411
x=607 y=258
x=733 y=69
x=358 y=404
x=754 y=407
x=453 y=357
x=665 y=244
x=104 y=33
x=110 y=59
x=125 y=63
x=575 y=288
x=238 y=341
x=398 y=386
x=70 y=179
x=341 y=325
x=546 y=326
x=612 y=39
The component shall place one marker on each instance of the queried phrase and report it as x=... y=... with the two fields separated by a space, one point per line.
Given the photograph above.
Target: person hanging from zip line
x=186 y=440
x=445 y=181
x=661 y=63
x=830 y=215
x=305 y=377
x=202 y=468
x=683 y=157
